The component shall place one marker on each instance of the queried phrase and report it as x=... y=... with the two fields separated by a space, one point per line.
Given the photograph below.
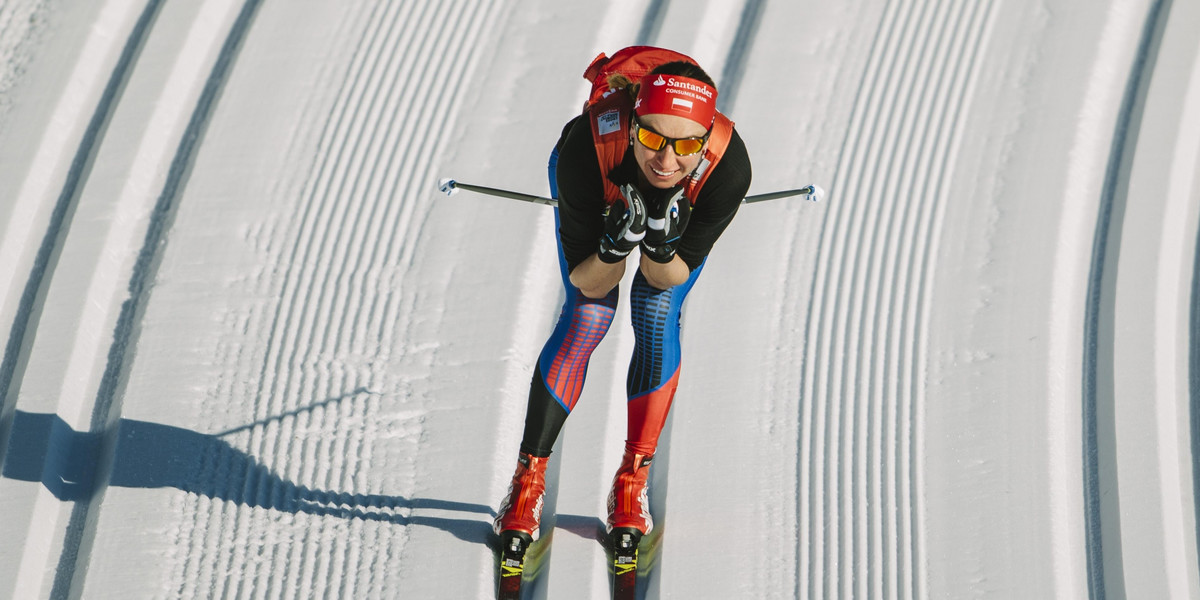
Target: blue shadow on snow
x=43 y=448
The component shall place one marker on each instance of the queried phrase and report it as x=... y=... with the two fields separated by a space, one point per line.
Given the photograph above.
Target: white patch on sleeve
x=608 y=122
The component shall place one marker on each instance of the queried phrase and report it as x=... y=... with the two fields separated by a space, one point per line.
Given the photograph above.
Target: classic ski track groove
x=863 y=385
x=70 y=531
x=1103 y=514
x=108 y=401
x=361 y=213
x=367 y=231
x=62 y=209
x=75 y=535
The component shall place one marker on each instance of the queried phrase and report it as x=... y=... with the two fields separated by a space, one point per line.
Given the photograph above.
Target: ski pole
x=812 y=192
x=450 y=187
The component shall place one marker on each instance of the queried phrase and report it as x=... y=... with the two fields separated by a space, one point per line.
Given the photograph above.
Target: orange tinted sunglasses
x=657 y=141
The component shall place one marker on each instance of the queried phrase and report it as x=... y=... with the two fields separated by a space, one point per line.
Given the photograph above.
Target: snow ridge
x=864 y=375
x=331 y=388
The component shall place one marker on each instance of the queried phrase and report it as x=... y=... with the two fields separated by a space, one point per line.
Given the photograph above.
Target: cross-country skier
x=650 y=165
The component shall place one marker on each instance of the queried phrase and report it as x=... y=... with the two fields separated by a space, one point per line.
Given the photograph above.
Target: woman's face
x=664 y=169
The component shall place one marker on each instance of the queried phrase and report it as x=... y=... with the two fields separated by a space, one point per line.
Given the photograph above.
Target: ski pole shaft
x=449 y=186
x=813 y=192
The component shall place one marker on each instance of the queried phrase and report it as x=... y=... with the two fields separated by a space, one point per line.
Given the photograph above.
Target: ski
x=623 y=543
x=513 y=546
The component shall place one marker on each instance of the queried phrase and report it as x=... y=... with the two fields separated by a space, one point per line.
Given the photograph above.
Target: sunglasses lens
x=688 y=146
x=656 y=142
x=650 y=139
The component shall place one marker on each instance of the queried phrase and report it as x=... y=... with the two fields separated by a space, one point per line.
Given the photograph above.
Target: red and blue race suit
x=575 y=179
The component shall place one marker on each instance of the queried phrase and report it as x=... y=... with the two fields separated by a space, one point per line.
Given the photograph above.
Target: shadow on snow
x=43 y=448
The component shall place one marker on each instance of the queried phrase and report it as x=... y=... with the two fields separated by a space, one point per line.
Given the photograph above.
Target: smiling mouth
x=664 y=173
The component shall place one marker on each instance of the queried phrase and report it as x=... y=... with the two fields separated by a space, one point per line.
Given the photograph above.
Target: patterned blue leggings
x=562 y=366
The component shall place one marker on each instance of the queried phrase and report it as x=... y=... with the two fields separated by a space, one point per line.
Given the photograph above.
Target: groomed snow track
x=251 y=353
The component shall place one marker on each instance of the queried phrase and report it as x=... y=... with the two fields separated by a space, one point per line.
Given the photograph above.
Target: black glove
x=664 y=227
x=623 y=229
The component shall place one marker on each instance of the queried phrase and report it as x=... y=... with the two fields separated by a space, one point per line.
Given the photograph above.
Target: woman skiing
x=650 y=165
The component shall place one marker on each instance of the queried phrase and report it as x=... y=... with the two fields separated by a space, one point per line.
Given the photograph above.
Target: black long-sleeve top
x=581 y=196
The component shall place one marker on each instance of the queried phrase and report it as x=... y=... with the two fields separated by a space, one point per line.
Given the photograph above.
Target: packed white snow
x=250 y=350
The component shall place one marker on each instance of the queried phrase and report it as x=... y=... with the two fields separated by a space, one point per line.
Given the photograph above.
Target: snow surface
x=252 y=352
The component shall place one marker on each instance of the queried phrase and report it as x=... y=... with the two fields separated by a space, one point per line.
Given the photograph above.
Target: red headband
x=675 y=95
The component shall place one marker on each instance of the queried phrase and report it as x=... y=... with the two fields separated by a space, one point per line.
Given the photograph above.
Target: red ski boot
x=628 y=503
x=521 y=509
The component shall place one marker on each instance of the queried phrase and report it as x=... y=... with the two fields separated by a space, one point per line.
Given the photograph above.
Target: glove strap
x=659 y=254
x=610 y=255
x=610 y=252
